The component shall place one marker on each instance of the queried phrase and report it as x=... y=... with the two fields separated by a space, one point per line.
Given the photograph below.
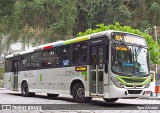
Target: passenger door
x=15 y=69
x=97 y=57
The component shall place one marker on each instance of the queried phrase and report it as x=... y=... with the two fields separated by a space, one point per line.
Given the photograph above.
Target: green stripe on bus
x=136 y=80
x=68 y=42
x=40 y=77
x=79 y=39
x=84 y=73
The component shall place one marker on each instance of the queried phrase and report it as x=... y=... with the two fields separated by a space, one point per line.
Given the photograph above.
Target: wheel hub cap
x=80 y=93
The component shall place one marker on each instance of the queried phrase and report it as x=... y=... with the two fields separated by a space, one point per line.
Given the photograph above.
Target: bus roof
x=69 y=41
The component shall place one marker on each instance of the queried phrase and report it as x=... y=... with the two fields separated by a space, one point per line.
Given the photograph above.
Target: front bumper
x=115 y=92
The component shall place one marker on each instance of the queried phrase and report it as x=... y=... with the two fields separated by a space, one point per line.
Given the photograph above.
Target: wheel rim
x=80 y=92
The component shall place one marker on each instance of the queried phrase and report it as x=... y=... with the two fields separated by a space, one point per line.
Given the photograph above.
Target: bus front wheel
x=110 y=99
x=79 y=93
x=24 y=90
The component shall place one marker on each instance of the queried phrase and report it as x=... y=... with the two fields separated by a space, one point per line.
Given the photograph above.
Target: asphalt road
x=42 y=103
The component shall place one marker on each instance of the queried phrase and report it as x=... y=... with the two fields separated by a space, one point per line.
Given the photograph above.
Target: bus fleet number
x=70 y=73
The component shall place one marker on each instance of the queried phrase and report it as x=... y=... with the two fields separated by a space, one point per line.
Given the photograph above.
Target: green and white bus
x=109 y=65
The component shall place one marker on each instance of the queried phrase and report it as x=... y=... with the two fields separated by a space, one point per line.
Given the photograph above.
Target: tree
x=53 y=20
x=66 y=11
x=153 y=46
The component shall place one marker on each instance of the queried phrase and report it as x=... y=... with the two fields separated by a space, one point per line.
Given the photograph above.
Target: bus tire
x=79 y=93
x=24 y=90
x=110 y=99
x=52 y=95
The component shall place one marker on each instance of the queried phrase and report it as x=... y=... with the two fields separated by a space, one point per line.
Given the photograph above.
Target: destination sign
x=130 y=39
x=121 y=48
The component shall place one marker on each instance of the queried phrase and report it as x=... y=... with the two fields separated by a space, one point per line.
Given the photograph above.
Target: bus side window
x=57 y=56
x=79 y=53
x=47 y=60
x=76 y=53
x=83 y=53
x=66 y=57
x=25 y=62
x=35 y=60
x=8 y=65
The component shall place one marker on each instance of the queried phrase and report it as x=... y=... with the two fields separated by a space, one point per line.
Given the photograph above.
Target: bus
x=109 y=65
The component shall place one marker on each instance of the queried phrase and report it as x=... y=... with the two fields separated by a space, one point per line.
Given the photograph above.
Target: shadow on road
x=92 y=105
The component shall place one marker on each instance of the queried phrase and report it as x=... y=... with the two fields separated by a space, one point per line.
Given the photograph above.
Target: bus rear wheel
x=24 y=90
x=52 y=95
x=79 y=93
x=110 y=99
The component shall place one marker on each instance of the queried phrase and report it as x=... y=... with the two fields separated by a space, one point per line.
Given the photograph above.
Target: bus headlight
x=147 y=85
x=120 y=85
x=117 y=83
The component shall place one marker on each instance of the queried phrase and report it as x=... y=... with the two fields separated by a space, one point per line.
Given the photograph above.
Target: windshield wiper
x=138 y=50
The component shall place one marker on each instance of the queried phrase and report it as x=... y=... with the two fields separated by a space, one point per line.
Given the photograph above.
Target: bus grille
x=132 y=80
x=134 y=91
x=134 y=85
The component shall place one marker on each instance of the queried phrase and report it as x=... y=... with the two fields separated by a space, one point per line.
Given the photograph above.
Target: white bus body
x=88 y=72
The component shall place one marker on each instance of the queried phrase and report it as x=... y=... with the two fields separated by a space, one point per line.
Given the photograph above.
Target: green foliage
x=45 y=15
x=155 y=7
x=153 y=46
x=17 y=13
x=66 y=16
x=53 y=20
x=151 y=12
x=5 y=14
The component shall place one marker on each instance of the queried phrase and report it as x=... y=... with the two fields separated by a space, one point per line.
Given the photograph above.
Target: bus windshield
x=131 y=60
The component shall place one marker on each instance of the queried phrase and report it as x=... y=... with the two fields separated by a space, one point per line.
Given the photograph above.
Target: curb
x=150 y=98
